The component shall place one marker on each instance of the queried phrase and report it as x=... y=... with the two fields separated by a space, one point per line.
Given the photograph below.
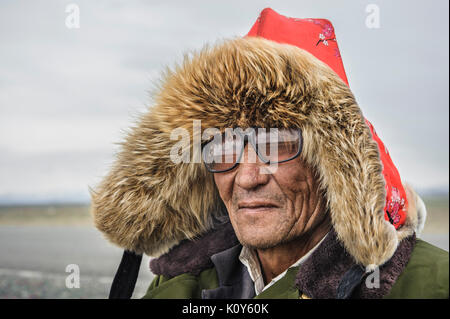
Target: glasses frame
x=251 y=138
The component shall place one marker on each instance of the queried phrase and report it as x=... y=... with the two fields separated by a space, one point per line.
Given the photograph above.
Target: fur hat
x=148 y=204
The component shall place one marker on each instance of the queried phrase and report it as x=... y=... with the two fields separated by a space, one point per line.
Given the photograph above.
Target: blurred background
x=74 y=75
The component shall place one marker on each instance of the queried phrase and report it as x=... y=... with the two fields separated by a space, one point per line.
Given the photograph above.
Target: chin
x=259 y=242
x=258 y=232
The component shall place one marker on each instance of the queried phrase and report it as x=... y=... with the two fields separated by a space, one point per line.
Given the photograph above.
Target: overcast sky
x=68 y=95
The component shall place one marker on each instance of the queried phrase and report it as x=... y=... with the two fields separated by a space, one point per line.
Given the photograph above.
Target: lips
x=256 y=205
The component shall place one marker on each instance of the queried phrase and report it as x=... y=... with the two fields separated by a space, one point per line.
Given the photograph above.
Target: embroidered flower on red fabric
x=327 y=30
x=394 y=205
x=327 y=33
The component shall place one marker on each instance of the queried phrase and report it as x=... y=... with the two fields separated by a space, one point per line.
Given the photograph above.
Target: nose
x=250 y=171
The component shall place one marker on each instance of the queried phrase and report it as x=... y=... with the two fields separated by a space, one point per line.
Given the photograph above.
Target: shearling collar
x=318 y=277
x=321 y=274
x=194 y=256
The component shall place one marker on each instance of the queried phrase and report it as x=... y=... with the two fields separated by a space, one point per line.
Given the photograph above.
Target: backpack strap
x=125 y=279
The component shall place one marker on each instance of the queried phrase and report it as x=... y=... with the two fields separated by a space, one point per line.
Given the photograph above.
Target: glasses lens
x=278 y=145
x=273 y=146
x=223 y=152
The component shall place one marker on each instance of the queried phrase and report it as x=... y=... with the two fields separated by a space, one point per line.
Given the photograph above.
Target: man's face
x=270 y=209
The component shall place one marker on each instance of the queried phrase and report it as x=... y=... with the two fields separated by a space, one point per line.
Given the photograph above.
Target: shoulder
x=429 y=252
x=184 y=286
x=426 y=274
x=429 y=259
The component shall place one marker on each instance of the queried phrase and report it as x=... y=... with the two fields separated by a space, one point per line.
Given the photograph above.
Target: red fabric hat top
x=318 y=38
x=313 y=35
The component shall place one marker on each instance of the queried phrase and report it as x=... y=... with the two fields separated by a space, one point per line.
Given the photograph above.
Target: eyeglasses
x=224 y=152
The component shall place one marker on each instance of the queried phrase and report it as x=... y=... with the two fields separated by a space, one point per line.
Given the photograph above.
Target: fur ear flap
x=417 y=214
x=421 y=215
x=347 y=160
x=147 y=204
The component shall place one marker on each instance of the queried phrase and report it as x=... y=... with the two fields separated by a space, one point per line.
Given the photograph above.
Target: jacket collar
x=318 y=277
x=234 y=279
x=194 y=256
x=323 y=272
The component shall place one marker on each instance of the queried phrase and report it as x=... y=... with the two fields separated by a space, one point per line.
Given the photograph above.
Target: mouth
x=256 y=206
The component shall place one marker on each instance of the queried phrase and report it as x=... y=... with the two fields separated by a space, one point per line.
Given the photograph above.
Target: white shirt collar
x=250 y=260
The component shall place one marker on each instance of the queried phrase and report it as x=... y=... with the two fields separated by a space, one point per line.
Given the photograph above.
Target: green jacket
x=425 y=276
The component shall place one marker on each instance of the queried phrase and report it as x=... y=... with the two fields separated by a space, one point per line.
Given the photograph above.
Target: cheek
x=294 y=183
x=299 y=187
x=224 y=184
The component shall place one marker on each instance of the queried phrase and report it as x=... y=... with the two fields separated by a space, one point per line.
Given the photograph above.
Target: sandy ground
x=34 y=259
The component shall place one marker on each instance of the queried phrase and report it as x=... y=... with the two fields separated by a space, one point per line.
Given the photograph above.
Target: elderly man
x=309 y=207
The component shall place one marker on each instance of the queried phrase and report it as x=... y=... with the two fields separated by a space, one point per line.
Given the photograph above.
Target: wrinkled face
x=270 y=209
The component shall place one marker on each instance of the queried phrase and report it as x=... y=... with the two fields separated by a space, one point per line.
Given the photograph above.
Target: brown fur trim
x=416 y=215
x=320 y=275
x=193 y=256
x=149 y=204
